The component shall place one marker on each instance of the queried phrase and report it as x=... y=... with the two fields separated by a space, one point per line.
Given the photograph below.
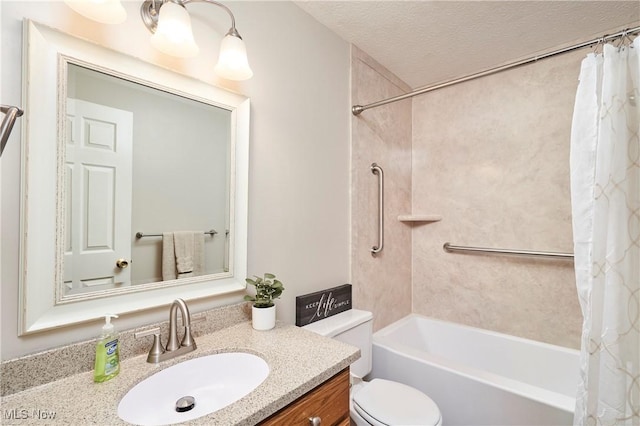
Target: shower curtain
x=605 y=196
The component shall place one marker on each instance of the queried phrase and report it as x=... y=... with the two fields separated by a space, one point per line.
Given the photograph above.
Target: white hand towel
x=183 y=246
x=168 y=257
x=182 y=254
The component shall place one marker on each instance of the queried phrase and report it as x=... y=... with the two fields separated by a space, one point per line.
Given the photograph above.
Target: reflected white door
x=98 y=183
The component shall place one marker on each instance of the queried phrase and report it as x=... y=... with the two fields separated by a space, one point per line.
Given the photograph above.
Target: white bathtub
x=479 y=377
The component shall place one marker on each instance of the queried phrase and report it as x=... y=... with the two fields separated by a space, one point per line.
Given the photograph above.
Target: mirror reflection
x=147 y=185
x=182 y=146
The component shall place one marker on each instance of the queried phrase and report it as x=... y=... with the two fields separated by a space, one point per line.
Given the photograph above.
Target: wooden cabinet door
x=329 y=402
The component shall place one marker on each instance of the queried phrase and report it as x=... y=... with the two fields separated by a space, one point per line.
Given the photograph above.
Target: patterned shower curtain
x=605 y=196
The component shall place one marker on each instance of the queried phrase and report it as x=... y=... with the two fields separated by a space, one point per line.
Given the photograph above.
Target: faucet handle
x=150 y=332
x=156 y=349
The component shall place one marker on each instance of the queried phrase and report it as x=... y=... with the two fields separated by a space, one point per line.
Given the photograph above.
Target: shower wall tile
x=492 y=157
x=381 y=284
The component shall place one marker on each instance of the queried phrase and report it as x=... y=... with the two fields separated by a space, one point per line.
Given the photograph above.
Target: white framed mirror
x=125 y=164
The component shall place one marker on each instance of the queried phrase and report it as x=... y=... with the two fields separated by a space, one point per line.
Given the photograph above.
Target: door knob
x=314 y=421
x=122 y=263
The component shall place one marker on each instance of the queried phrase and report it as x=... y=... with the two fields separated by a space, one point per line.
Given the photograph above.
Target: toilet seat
x=383 y=403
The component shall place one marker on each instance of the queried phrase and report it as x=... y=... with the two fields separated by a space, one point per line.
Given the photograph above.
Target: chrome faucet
x=173 y=348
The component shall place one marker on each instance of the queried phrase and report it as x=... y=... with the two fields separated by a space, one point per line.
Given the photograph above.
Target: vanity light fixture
x=170 y=24
x=104 y=11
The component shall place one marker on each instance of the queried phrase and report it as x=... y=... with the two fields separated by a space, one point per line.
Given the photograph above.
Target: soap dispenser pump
x=107 y=364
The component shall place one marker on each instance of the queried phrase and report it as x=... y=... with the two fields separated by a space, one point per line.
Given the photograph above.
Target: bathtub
x=479 y=377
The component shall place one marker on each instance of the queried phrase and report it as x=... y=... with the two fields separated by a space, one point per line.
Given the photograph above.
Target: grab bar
x=375 y=169
x=11 y=112
x=449 y=248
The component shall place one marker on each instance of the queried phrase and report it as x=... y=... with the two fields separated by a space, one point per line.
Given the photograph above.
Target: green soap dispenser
x=107 y=352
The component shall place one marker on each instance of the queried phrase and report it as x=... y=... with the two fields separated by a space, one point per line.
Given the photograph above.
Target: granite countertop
x=299 y=360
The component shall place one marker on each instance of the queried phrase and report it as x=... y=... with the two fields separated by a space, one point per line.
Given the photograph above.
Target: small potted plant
x=263 y=312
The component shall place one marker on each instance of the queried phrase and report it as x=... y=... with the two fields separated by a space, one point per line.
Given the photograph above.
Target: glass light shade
x=104 y=11
x=232 y=61
x=173 y=35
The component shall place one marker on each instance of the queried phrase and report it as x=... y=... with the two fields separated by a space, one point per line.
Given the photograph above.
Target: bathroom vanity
x=308 y=377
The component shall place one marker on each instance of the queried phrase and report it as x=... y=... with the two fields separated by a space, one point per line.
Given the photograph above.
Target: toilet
x=378 y=402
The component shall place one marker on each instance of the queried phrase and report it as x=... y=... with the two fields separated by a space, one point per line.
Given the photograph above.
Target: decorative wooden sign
x=322 y=304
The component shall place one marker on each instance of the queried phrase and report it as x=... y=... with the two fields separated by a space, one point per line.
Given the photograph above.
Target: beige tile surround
x=491 y=157
x=381 y=284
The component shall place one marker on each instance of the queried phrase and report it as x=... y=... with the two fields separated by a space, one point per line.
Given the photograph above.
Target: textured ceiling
x=426 y=42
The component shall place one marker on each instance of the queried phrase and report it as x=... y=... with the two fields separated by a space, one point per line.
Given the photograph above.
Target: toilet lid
x=383 y=402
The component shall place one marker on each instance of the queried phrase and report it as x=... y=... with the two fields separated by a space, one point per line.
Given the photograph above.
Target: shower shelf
x=413 y=218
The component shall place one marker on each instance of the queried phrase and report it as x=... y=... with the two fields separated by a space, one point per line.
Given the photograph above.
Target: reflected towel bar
x=141 y=235
x=449 y=248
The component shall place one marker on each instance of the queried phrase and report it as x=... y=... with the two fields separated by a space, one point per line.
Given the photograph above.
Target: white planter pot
x=263 y=318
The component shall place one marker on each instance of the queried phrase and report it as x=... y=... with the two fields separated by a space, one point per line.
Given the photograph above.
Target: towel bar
x=139 y=235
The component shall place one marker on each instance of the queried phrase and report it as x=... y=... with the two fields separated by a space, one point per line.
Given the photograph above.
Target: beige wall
x=492 y=157
x=381 y=284
x=299 y=154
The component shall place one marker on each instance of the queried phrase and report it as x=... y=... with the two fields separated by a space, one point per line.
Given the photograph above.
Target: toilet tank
x=353 y=327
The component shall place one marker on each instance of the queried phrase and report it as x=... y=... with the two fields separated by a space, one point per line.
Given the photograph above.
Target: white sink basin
x=214 y=382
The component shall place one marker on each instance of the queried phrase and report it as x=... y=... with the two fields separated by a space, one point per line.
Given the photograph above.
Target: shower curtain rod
x=358 y=109
x=11 y=113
